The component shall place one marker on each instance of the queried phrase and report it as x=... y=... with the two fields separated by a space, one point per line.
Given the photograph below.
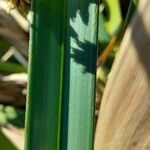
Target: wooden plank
x=124 y=119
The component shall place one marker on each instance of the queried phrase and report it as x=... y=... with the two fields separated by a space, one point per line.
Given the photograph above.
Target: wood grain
x=124 y=119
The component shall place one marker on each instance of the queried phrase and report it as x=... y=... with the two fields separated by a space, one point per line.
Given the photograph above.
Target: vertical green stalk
x=45 y=76
x=79 y=74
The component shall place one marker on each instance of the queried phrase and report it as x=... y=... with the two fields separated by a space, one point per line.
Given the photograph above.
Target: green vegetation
x=79 y=74
x=45 y=76
x=66 y=40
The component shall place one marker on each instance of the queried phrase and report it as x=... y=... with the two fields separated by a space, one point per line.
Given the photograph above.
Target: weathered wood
x=124 y=119
x=43 y=115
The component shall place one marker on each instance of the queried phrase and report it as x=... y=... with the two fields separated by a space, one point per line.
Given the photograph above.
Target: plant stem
x=45 y=76
x=79 y=74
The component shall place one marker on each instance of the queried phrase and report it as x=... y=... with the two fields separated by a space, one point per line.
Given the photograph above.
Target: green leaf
x=45 y=76
x=114 y=20
x=4 y=46
x=10 y=67
x=103 y=37
x=5 y=144
x=79 y=74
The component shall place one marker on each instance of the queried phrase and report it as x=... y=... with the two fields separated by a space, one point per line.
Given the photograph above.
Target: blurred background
x=14 y=37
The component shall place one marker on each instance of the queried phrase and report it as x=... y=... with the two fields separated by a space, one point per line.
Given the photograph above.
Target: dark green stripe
x=45 y=76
